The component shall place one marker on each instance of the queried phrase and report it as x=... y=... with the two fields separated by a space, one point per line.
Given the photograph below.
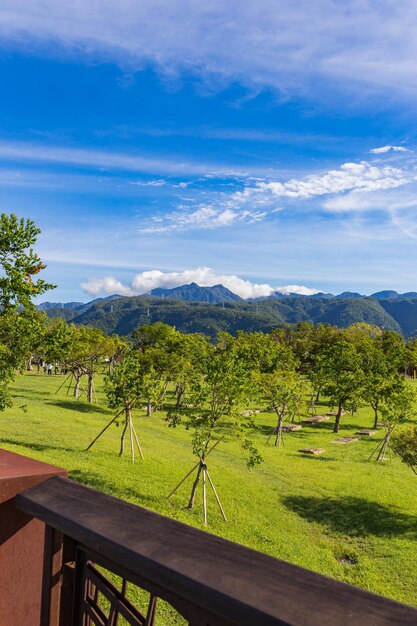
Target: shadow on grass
x=81 y=407
x=96 y=481
x=352 y=516
x=22 y=393
x=314 y=457
x=39 y=447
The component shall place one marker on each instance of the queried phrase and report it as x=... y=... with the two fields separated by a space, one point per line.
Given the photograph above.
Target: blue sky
x=255 y=144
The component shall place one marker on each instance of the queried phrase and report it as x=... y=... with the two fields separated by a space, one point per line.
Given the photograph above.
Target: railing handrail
x=228 y=580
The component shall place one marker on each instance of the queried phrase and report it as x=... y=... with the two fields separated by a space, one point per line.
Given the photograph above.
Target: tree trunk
x=337 y=421
x=162 y=394
x=194 y=489
x=149 y=408
x=180 y=393
x=90 y=388
x=278 y=437
x=384 y=448
x=375 y=408
x=317 y=395
x=77 y=386
x=122 y=438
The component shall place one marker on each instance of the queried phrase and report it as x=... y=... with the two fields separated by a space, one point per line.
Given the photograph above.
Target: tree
x=283 y=390
x=56 y=341
x=89 y=346
x=262 y=352
x=342 y=375
x=378 y=375
x=19 y=265
x=216 y=400
x=405 y=445
x=123 y=388
x=398 y=406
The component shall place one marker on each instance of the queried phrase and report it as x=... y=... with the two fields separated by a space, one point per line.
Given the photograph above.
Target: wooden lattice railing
x=177 y=574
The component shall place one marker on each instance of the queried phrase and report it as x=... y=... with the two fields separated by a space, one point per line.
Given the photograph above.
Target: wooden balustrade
x=207 y=580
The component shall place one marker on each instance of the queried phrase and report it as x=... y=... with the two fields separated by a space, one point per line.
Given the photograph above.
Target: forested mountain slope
x=123 y=315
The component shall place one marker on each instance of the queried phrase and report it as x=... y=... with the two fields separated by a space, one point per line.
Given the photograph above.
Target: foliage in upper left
x=19 y=320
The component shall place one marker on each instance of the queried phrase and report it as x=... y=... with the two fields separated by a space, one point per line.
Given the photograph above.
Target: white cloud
x=362 y=176
x=300 y=289
x=385 y=149
x=204 y=276
x=254 y=203
x=203 y=218
x=149 y=183
x=106 y=285
x=289 y=46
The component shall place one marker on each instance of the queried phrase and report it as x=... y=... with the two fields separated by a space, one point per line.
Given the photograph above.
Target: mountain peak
x=194 y=293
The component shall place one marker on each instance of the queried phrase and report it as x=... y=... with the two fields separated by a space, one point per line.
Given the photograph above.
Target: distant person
x=49 y=366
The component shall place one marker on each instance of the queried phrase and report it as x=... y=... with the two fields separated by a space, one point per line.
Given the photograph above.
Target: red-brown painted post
x=22 y=546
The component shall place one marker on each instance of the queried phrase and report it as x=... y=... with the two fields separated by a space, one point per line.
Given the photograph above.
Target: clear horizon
x=272 y=145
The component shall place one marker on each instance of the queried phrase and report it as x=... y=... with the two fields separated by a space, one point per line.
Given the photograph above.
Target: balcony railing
x=207 y=580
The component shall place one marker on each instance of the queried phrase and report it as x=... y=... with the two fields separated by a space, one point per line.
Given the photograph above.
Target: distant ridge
x=195 y=293
x=385 y=295
x=348 y=294
x=208 y=310
x=79 y=307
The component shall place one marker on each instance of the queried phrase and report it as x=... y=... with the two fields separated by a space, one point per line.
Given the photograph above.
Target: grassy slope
x=337 y=514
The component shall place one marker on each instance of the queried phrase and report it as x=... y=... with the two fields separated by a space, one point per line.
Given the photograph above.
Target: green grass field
x=337 y=514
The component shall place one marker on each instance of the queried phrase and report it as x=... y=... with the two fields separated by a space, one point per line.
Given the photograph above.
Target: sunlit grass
x=338 y=514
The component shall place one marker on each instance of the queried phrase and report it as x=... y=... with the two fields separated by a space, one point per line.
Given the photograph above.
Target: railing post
x=67 y=599
x=27 y=595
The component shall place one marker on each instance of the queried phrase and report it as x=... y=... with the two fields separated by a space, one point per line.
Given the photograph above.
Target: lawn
x=338 y=514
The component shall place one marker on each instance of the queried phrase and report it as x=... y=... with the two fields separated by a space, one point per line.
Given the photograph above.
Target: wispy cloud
x=203 y=218
x=256 y=202
x=288 y=46
x=110 y=160
x=361 y=176
x=385 y=149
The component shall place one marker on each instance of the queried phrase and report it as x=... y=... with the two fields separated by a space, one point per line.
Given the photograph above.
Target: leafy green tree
x=380 y=377
x=283 y=390
x=263 y=352
x=216 y=400
x=398 y=406
x=158 y=335
x=19 y=266
x=394 y=349
x=124 y=387
x=56 y=341
x=405 y=445
x=342 y=376
x=88 y=348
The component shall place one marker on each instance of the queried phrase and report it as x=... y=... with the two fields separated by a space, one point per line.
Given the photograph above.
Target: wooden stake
x=132 y=449
x=204 y=469
x=105 y=428
x=216 y=496
x=183 y=480
x=194 y=468
x=194 y=489
x=137 y=441
x=60 y=386
x=122 y=439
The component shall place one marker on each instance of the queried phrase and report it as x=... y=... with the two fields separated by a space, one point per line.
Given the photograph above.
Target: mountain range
x=208 y=310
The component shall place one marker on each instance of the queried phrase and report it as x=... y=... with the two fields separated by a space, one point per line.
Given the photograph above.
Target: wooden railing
x=207 y=581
